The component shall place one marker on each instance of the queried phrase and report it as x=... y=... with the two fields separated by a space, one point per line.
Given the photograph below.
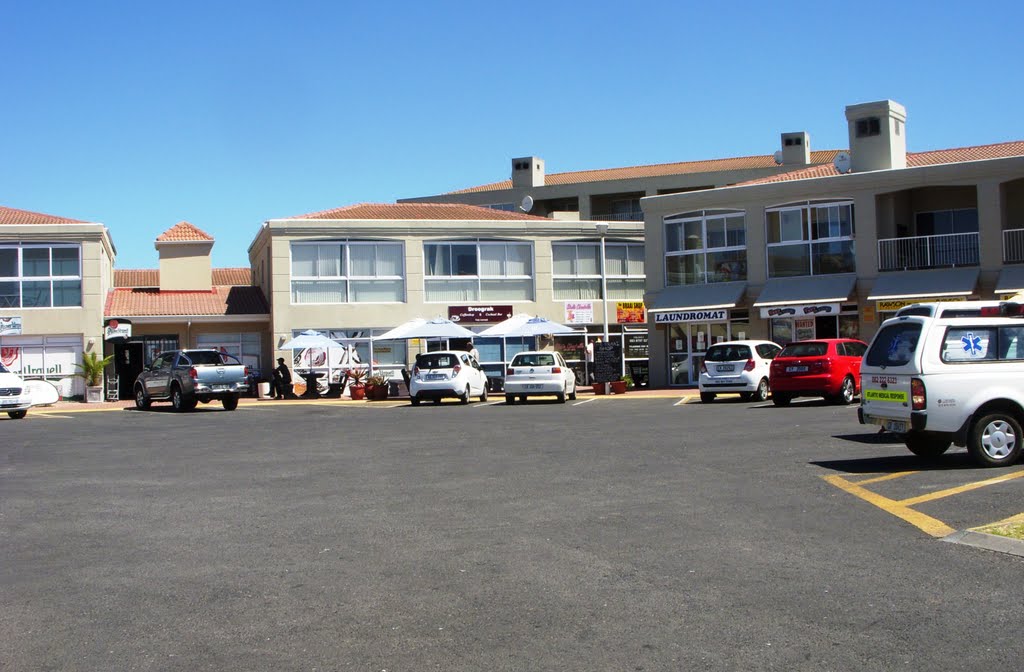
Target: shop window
x=810 y=239
x=40 y=276
x=478 y=271
x=704 y=247
x=347 y=272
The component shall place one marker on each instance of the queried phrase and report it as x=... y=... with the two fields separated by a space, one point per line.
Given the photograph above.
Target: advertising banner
x=479 y=314
x=117 y=329
x=10 y=356
x=630 y=312
x=892 y=305
x=10 y=326
x=805 y=310
x=579 y=312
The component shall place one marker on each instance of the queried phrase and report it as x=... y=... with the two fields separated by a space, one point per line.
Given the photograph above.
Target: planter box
x=376 y=392
x=356 y=392
x=599 y=388
x=618 y=387
x=93 y=394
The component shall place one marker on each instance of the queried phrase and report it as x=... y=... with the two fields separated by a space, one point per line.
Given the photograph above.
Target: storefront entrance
x=806 y=322
x=691 y=333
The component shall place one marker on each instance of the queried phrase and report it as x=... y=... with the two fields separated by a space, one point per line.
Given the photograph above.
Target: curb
x=990 y=542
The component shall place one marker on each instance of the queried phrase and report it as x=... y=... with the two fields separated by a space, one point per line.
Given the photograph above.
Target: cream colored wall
x=185 y=266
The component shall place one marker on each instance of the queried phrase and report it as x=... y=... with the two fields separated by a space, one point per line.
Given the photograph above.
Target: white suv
x=447 y=373
x=737 y=366
x=15 y=397
x=949 y=373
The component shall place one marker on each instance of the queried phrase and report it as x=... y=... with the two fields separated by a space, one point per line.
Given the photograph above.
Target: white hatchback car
x=539 y=373
x=15 y=397
x=737 y=366
x=447 y=373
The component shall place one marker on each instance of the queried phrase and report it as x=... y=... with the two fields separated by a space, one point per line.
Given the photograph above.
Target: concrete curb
x=990 y=542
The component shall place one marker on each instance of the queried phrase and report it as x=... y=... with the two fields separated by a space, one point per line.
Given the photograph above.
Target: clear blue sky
x=143 y=114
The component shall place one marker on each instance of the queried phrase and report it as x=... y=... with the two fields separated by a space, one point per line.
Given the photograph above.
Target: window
x=704 y=247
x=810 y=239
x=478 y=271
x=980 y=344
x=40 y=276
x=577 y=270
x=347 y=272
x=945 y=222
x=868 y=127
x=504 y=207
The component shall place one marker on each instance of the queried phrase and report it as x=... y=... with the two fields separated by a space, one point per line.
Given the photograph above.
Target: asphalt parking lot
x=610 y=534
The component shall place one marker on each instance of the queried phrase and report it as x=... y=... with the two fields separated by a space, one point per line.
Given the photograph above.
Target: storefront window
x=810 y=239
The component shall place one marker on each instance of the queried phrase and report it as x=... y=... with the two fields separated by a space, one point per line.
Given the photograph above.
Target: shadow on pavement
x=896 y=463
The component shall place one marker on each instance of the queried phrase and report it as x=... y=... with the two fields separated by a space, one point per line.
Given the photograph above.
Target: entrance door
x=128 y=364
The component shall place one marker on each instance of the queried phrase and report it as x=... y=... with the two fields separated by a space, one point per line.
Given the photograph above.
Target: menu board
x=607 y=362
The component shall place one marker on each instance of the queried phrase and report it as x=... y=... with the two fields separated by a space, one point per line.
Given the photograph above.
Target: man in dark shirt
x=282 y=379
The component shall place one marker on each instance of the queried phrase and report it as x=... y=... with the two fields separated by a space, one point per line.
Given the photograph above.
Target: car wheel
x=761 y=393
x=707 y=397
x=17 y=415
x=464 y=397
x=415 y=401
x=230 y=403
x=180 y=402
x=846 y=392
x=437 y=401
x=926 y=446
x=561 y=396
x=572 y=395
x=995 y=440
x=483 y=393
x=142 y=402
x=780 y=399
x=510 y=399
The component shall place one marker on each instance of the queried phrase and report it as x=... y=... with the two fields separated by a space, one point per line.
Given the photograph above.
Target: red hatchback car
x=825 y=367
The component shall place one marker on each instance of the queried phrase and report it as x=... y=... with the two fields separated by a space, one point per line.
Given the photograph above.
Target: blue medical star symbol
x=972 y=344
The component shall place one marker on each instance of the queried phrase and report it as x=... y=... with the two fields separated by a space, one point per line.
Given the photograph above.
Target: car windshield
x=436 y=360
x=809 y=349
x=894 y=345
x=209 y=357
x=534 y=360
x=727 y=353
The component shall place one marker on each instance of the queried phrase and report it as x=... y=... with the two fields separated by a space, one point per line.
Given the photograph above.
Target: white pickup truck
x=186 y=377
x=949 y=373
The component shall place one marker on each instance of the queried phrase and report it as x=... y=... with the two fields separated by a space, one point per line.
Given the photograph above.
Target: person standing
x=283 y=378
x=473 y=352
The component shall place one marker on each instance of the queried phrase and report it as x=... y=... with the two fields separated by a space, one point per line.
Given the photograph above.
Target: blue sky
x=140 y=115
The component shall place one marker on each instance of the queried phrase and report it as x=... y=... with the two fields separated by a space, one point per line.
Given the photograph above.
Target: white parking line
x=585 y=401
x=484 y=404
x=681 y=401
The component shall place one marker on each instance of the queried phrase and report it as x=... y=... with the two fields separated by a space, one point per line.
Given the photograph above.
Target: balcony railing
x=1013 y=246
x=955 y=249
x=637 y=216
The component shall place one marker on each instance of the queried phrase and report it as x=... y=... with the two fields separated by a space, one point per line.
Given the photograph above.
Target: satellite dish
x=527 y=203
x=842 y=162
x=778 y=158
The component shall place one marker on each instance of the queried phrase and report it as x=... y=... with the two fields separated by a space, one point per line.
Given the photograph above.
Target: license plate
x=796 y=369
x=220 y=388
x=725 y=367
x=534 y=387
x=436 y=376
x=897 y=426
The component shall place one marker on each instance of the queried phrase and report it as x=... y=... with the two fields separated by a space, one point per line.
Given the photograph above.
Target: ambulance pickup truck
x=949 y=373
x=185 y=377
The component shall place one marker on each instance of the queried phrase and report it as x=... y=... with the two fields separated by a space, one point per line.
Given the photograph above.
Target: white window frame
x=480 y=277
x=346 y=276
x=808 y=238
x=21 y=278
x=701 y=216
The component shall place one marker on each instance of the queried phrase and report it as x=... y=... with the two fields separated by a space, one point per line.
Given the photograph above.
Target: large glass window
x=478 y=271
x=705 y=246
x=40 y=276
x=348 y=272
x=577 y=270
x=810 y=239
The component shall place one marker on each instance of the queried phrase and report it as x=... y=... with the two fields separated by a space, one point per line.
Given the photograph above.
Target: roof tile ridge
x=965 y=147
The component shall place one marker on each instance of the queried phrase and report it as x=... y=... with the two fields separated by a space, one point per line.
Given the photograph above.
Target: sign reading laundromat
x=808 y=310
x=718 y=315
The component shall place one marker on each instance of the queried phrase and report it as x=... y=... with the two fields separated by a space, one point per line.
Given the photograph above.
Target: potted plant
x=619 y=386
x=91 y=369
x=356 y=388
x=377 y=387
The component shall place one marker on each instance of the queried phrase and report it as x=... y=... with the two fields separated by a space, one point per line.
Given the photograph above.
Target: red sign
x=479 y=314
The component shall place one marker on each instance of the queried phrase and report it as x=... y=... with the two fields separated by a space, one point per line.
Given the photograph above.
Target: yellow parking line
x=887 y=477
x=961 y=488
x=926 y=524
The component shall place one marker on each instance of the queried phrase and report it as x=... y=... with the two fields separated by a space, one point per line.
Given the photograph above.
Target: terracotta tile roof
x=150 y=277
x=681 y=168
x=914 y=160
x=183 y=232
x=15 y=216
x=440 y=211
x=128 y=302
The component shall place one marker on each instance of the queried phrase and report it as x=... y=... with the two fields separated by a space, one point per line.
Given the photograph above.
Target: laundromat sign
x=719 y=315
x=807 y=310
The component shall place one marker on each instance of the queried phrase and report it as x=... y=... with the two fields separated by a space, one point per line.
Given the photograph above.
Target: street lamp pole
x=602 y=230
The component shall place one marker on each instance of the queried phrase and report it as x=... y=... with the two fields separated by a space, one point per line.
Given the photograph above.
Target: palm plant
x=92 y=368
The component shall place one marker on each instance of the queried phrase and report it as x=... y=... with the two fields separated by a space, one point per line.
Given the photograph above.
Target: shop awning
x=1011 y=280
x=693 y=297
x=807 y=289
x=925 y=284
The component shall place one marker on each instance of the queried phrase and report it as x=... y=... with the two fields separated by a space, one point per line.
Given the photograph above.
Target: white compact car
x=949 y=373
x=737 y=366
x=15 y=397
x=539 y=373
x=447 y=373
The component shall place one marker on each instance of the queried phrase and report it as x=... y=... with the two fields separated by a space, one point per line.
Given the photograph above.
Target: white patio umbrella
x=533 y=326
x=421 y=328
x=309 y=341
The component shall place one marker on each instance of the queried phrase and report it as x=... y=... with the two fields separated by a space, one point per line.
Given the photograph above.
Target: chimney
x=878 y=135
x=528 y=171
x=796 y=149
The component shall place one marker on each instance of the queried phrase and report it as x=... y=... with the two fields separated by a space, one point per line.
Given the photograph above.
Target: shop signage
x=804 y=310
x=117 y=329
x=607 y=362
x=892 y=305
x=717 y=315
x=10 y=326
x=579 y=312
x=630 y=312
x=479 y=314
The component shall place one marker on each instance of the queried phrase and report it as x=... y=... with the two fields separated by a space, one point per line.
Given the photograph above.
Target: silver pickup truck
x=186 y=377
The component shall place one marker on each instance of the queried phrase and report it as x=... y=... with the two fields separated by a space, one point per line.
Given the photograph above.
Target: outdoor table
x=311 y=390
